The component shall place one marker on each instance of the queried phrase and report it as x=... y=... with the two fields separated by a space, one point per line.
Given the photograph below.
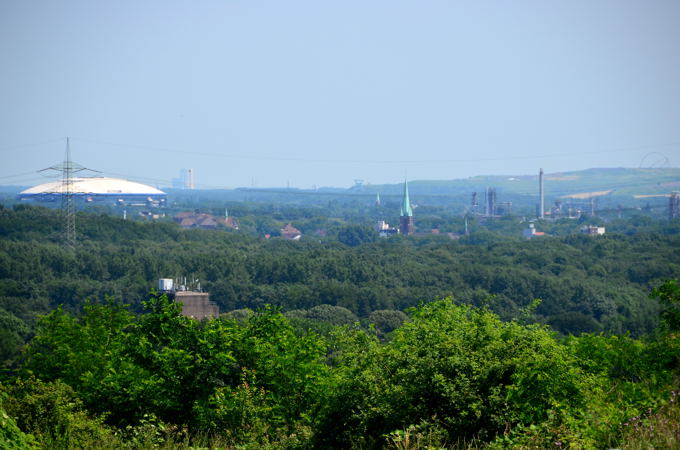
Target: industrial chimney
x=540 y=195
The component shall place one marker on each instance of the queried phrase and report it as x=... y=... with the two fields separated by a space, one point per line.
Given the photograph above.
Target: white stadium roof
x=95 y=186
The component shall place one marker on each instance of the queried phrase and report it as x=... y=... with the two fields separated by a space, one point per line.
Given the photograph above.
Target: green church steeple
x=406 y=210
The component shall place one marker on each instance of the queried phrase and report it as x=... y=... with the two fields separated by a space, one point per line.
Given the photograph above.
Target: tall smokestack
x=540 y=194
x=190 y=176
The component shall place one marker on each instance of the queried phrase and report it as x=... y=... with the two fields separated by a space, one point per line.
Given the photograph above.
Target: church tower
x=406 y=216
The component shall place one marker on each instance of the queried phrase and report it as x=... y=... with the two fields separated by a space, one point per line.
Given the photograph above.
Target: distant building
x=204 y=221
x=491 y=199
x=674 y=205
x=291 y=233
x=592 y=230
x=227 y=220
x=384 y=229
x=196 y=305
x=504 y=208
x=146 y=214
x=98 y=189
x=530 y=232
x=185 y=180
x=406 y=225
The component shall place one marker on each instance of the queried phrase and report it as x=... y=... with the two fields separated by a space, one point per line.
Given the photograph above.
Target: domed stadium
x=97 y=189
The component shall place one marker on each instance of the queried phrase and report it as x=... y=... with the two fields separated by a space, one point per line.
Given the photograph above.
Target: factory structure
x=674 y=205
x=185 y=180
x=492 y=207
x=97 y=189
x=570 y=209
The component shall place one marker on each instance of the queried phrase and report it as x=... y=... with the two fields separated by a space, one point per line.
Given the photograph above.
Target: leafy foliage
x=587 y=284
x=484 y=370
x=458 y=366
x=162 y=363
x=669 y=296
x=54 y=415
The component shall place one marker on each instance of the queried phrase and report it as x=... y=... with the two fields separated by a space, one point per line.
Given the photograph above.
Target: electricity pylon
x=68 y=209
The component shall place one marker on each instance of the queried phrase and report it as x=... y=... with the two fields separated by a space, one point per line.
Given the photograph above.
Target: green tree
x=668 y=295
x=12 y=334
x=11 y=436
x=386 y=320
x=458 y=366
x=89 y=354
x=353 y=235
x=53 y=414
x=335 y=315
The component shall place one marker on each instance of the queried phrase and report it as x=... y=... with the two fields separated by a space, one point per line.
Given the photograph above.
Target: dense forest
x=341 y=340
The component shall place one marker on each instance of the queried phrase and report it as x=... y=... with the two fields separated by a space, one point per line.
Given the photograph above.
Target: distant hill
x=613 y=188
x=616 y=181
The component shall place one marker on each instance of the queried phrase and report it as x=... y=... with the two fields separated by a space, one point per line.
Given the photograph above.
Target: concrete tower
x=190 y=179
x=406 y=216
x=541 y=208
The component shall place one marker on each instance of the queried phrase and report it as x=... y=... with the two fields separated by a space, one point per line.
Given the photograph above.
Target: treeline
x=452 y=376
x=585 y=284
x=346 y=341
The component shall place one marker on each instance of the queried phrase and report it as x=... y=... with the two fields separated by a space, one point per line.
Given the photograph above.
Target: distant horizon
x=366 y=183
x=656 y=159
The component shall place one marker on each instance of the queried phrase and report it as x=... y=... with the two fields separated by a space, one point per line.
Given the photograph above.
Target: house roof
x=187 y=222
x=228 y=222
x=290 y=232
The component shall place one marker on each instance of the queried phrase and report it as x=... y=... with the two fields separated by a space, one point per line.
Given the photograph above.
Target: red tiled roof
x=228 y=222
x=290 y=232
x=188 y=222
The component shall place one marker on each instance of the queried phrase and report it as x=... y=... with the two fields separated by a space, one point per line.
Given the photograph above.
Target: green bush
x=456 y=367
x=11 y=437
x=54 y=415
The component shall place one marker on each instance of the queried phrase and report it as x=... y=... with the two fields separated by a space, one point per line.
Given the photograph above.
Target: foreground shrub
x=458 y=368
x=54 y=415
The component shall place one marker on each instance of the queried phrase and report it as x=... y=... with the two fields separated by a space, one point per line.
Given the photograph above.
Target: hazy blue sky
x=322 y=93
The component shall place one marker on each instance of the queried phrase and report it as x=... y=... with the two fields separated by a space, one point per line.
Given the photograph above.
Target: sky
x=322 y=93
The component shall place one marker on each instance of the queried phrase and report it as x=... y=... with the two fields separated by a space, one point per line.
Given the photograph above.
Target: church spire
x=406 y=226
x=406 y=210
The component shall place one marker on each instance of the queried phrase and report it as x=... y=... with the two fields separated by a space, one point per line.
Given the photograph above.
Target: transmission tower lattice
x=67 y=169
